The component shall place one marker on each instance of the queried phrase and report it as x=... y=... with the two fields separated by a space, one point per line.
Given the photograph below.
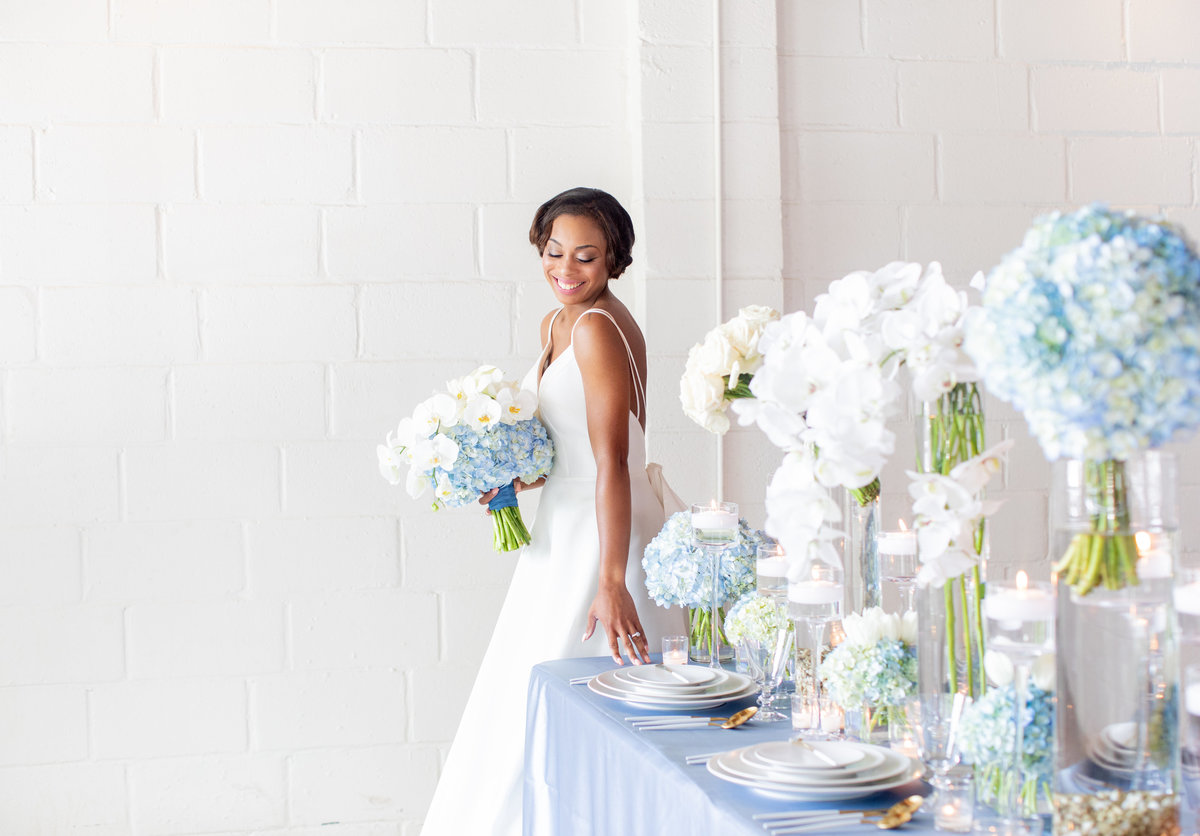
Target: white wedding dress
x=545 y=612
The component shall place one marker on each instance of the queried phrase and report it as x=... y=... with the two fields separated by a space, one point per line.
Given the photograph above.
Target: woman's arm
x=600 y=353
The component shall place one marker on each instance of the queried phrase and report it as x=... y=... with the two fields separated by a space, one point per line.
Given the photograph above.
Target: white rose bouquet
x=719 y=369
x=480 y=434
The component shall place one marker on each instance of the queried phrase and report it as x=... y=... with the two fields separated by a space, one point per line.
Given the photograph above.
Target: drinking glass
x=812 y=603
x=934 y=720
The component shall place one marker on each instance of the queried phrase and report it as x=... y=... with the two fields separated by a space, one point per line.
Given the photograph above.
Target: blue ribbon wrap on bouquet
x=506 y=497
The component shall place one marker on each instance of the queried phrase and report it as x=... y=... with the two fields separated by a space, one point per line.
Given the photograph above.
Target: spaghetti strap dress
x=545 y=611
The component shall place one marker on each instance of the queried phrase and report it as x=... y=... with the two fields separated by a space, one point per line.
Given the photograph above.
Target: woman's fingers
x=485 y=498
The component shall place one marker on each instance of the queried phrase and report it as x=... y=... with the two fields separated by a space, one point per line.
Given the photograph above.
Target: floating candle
x=897 y=542
x=1018 y=603
x=815 y=592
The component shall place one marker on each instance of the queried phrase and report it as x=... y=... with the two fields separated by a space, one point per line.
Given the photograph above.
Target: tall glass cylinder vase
x=860 y=513
x=950 y=645
x=1115 y=527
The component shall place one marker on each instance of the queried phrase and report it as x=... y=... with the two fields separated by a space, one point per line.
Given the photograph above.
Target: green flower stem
x=867 y=493
x=1106 y=554
x=508 y=529
x=741 y=389
x=700 y=635
x=954 y=429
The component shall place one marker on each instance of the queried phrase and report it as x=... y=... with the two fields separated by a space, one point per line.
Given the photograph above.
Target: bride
x=579 y=588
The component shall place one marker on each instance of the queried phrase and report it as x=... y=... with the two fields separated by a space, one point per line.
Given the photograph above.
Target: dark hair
x=600 y=207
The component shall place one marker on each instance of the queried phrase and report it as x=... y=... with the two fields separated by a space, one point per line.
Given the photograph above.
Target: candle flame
x=1022 y=580
x=903 y=527
x=1143 y=541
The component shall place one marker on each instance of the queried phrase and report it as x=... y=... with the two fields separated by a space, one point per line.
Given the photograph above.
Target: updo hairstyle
x=600 y=207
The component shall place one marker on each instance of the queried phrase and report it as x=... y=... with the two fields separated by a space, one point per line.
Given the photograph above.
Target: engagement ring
x=635 y=635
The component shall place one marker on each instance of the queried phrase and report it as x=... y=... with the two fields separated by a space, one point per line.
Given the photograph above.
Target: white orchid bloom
x=481 y=412
x=1044 y=672
x=895 y=284
x=998 y=667
x=975 y=473
x=417 y=483
x=948 y=565
x=439 y=451
x=391 y=461
x=516 y=405
x=485 y=380
x=443 y=490
x=437 y=411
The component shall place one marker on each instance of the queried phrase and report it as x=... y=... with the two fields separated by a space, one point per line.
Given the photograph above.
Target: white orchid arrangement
x=948 y=510
x=480 y=434
x=720 y=367
x=826 y=388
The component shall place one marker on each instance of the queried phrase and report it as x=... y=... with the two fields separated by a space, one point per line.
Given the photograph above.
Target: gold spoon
x=740 y=717
x=900 y=812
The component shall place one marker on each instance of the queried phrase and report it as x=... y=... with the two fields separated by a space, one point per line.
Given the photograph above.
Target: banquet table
x=588 y=772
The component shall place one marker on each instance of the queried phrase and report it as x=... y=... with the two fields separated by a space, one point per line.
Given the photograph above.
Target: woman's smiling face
x=575 y=260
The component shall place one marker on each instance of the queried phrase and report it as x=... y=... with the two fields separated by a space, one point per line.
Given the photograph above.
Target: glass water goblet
x=813 y=603
x=715 y=529
x=934 y=719
x=766 y=663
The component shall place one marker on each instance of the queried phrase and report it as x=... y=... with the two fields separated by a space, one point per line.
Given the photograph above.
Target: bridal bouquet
x=1091 y=328
x=876 y=666
x=720 y=368
x=679 y=573
x=480 y=434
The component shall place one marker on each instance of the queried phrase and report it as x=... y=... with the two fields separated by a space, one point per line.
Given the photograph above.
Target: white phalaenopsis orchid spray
x=719 y=368
x=947 y=511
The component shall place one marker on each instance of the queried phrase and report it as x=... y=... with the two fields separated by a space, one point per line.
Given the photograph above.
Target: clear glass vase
x=950 y=645
x=1115 y=528
x=860 y=511
x=700 y=636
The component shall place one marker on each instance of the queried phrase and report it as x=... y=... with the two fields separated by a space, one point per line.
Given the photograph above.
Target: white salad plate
x=732 y=684
x=886 y=768
x=674 y=675
x=787 y=755
x=899 y=771
x=628 y=680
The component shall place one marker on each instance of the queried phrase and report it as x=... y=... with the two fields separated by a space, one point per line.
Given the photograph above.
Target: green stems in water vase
x=1106 y=554
x=950 y=430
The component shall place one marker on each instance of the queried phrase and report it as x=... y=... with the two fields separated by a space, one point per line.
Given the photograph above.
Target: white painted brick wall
x=239 y=239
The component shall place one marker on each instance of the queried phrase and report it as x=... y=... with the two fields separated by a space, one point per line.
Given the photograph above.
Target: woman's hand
x=614 y=608
x=518 y=486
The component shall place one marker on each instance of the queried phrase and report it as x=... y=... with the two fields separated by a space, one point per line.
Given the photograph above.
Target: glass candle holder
x=954 y=802
x=675 y=650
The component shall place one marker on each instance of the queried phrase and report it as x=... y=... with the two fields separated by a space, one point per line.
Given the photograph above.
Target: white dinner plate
x=666 y=703
x=792 y=792
x=890 y=765
x=790 y=756
x=732 y=684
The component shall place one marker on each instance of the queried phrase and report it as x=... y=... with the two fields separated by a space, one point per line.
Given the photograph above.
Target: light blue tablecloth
x=589 y=773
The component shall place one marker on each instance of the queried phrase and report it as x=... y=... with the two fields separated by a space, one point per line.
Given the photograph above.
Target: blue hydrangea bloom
x=1091 y=329
x=679 y=574
x=495 y=457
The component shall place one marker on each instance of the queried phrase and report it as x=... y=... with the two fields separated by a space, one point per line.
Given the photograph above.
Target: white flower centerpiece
x=720 y=367
x=874 y=669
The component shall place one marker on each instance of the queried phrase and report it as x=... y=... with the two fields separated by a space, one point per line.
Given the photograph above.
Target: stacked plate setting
x=785 y=770
x=673 y=686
